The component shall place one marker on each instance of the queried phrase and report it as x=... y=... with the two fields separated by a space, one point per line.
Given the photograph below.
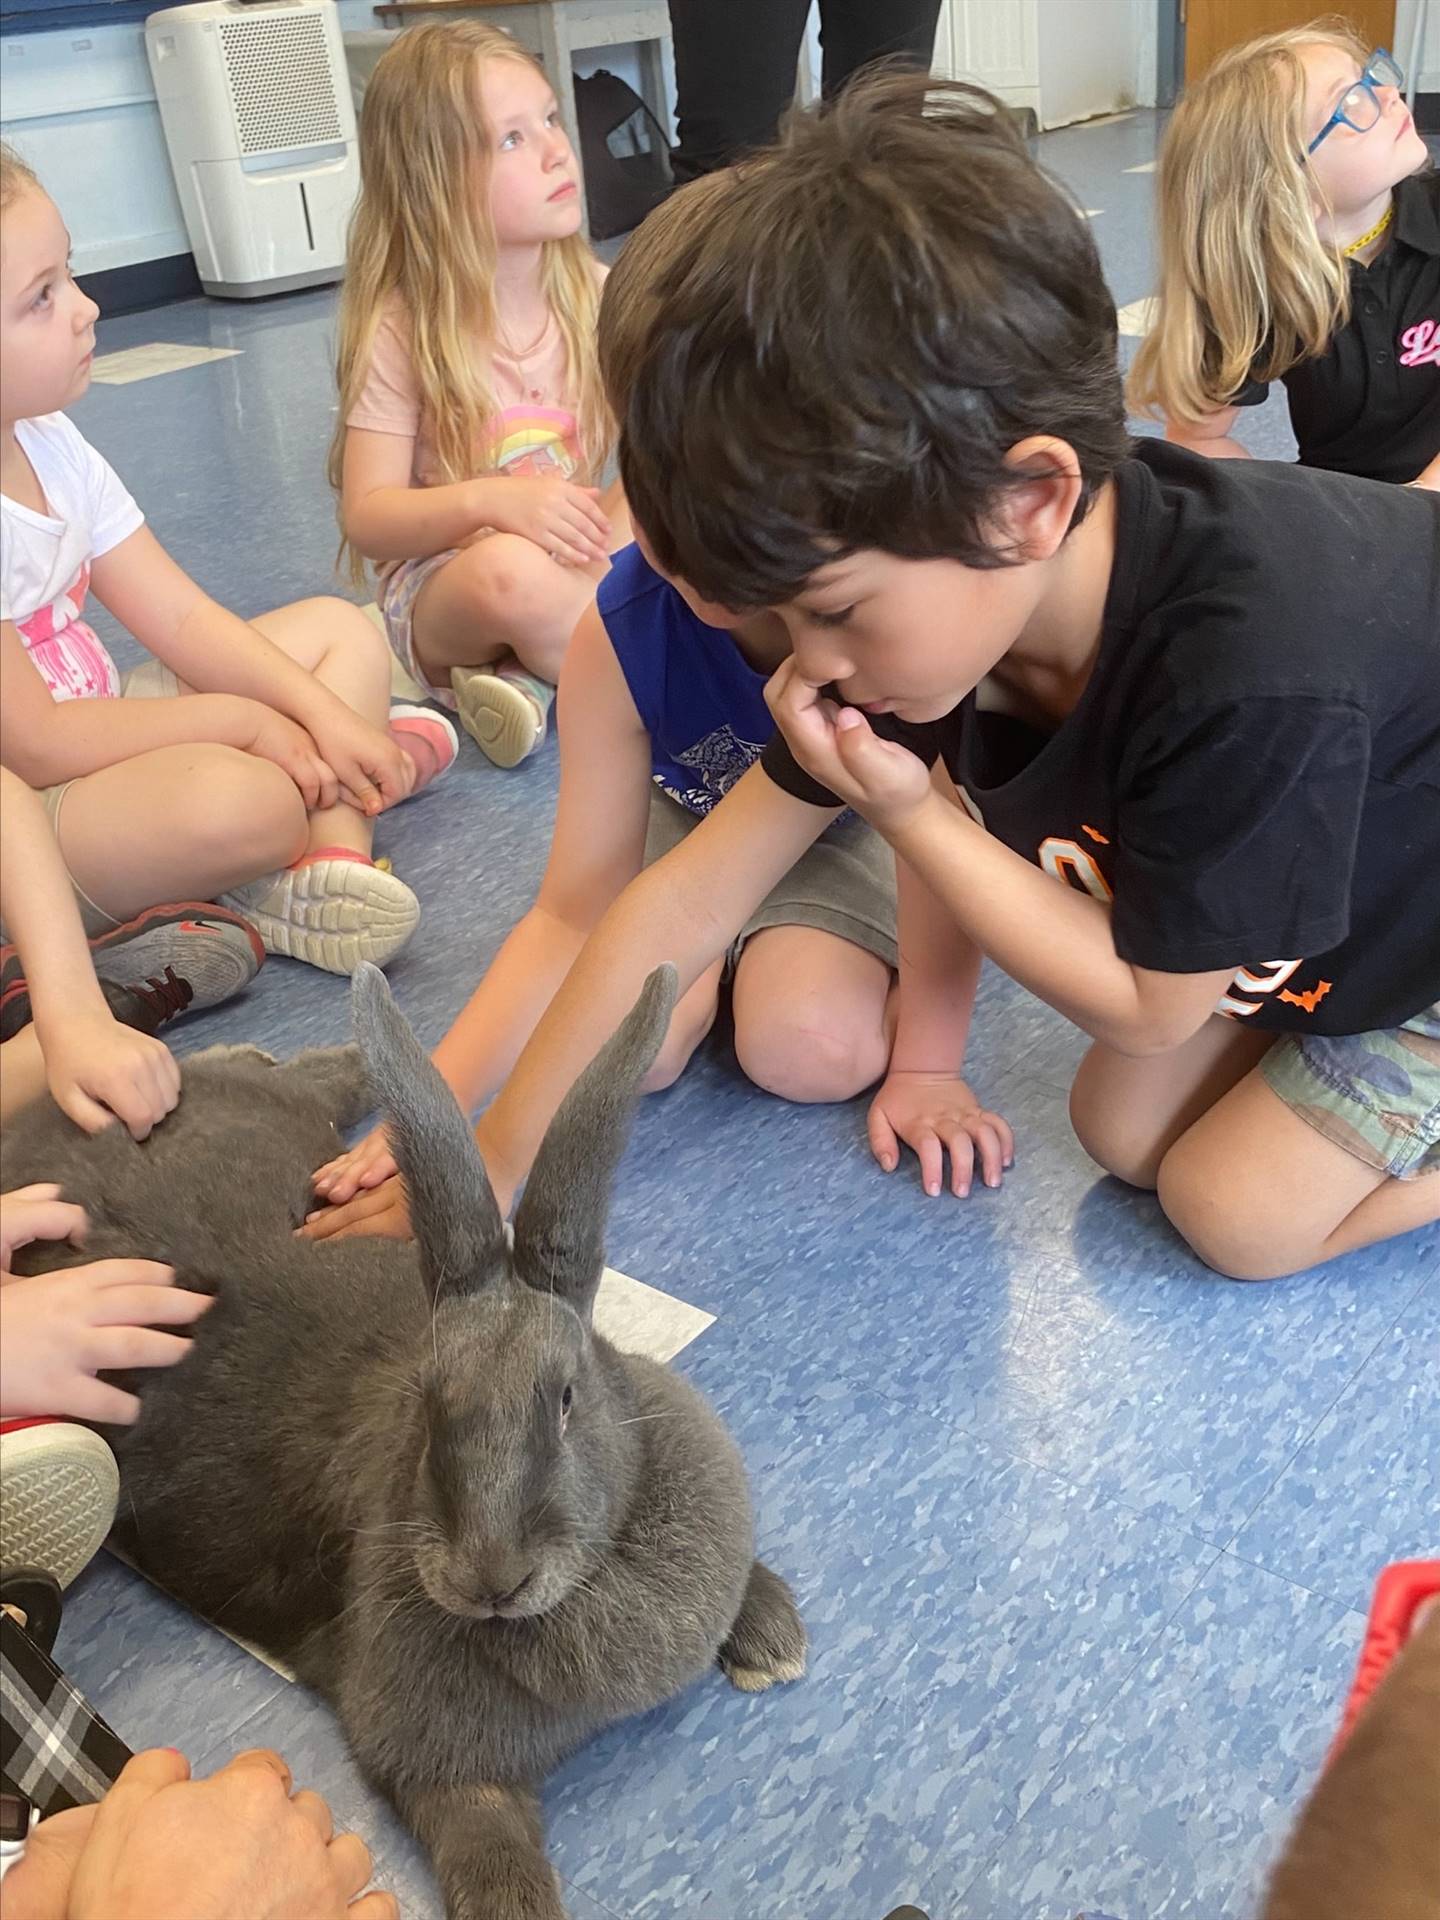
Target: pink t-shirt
x=45 y=557
x=534 y=432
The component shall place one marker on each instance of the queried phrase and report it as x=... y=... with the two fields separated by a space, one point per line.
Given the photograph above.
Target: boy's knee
x=1111 y=1140
x=1217 y=1231
x=242 y=804
x=812 y=1063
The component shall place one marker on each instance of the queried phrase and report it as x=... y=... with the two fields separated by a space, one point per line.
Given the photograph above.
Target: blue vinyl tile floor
x=1084 y=1537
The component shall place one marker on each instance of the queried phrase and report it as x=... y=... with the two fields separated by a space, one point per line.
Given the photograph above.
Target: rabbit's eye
x=567 y=1400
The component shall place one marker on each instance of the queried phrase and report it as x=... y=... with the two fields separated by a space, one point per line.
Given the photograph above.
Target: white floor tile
x=1137 y=318
x=143 y=363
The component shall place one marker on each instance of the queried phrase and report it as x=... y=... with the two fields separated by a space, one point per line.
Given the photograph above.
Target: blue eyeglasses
x=1359 y=106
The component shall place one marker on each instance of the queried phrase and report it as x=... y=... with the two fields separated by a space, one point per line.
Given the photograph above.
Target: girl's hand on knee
x=61 y=1329
x=935 y=1114
x=373 y=770
x=563 y=519
x=367 y=1163
x=290 y=747
x=381 y=1210
x=100 y=1071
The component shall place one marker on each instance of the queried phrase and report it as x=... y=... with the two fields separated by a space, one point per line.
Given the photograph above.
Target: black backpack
x=624 y=153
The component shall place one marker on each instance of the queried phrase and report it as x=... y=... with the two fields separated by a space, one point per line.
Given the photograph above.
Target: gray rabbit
x=417 y=1472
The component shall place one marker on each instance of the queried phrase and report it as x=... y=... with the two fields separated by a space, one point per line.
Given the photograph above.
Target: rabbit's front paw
x=767 y=1642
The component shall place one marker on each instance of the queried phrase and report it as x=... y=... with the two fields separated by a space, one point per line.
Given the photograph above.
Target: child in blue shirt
x=661 y=713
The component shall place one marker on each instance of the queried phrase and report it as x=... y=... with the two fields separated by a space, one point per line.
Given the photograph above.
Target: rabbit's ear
x=452 y=1208
x=560 y=1225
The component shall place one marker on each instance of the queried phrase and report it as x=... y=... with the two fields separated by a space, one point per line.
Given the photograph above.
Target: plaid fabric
x=54 y=1747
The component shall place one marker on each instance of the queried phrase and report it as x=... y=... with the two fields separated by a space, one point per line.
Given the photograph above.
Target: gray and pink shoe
x=430 y=740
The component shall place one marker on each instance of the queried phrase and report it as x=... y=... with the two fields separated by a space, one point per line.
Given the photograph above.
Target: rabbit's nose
x=499 y=1601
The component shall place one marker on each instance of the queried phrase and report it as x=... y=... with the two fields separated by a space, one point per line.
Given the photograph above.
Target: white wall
x=1064 y=60
x=1087 y=58
x=79 y=107
x=1426 y=75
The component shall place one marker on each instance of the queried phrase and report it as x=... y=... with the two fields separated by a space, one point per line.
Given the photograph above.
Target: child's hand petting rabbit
x=382 y=1210
x=99 y=1071
x=366 y=1164
x=58 y=1330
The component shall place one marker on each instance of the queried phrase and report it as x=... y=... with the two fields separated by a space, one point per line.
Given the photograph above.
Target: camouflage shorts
x=1375 y=1094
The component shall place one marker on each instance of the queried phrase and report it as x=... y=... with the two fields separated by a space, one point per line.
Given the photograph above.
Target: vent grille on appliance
x=280 y=82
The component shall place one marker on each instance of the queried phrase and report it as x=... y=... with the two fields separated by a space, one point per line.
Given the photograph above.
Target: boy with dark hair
x=1160 y=736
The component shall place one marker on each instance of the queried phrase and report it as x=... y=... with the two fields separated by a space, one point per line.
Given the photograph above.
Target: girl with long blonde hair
x=473 y=429
x=1299 y=241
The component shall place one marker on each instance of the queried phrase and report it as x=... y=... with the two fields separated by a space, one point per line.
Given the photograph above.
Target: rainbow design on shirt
x=536 y=441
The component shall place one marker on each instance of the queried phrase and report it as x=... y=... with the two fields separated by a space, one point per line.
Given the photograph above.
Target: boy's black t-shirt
x=1252 y=773
x=1370 y=404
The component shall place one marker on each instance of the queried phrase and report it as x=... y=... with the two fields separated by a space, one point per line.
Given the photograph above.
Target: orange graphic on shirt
x=1096 y=835
x=1310 y=999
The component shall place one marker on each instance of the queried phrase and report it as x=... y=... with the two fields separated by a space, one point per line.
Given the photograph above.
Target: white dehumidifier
x=255 y=102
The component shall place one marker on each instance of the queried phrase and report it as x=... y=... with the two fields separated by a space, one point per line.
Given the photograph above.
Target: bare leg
x=1127 y=1113
x=181 y=823
x=692 y=1019
x=813 y=1014
x=502 y=598
x=1259 y=1193
x=1254 y=1189
x=347 y=654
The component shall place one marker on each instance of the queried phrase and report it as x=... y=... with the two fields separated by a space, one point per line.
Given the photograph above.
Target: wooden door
x=1213 y=25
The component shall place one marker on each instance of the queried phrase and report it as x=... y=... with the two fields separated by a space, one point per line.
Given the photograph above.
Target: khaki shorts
x=1375 y=1094
x=151 y=680
x=844 y=884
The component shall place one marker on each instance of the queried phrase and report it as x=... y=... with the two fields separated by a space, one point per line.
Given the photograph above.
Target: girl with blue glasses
x=1300 y=241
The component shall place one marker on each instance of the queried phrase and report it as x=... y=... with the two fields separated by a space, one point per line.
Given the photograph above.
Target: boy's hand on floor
x=100 y=1071
x=279 y=739
x=884 y=782
x=381 y=1210
x=374 y=770
x=367 y=1163
x=935 y=1114
x=61 y=1329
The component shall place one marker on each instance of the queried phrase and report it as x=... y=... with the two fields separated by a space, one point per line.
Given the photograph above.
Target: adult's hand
x=242 y=1845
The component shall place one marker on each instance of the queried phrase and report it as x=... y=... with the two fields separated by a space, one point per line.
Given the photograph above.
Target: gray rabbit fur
x=415 y=1471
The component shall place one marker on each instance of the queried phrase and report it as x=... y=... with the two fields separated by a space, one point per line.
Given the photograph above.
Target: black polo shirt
x=1370 y=404
x=1251 y=776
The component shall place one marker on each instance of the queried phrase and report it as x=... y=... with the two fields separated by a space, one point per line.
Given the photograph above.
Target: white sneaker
x=503 y=709
x=332 y=911
x=59 y=1485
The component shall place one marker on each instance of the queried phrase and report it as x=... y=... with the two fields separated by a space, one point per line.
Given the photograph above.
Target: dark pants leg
x=734 y=76
x=855 y=32
x=735 y=64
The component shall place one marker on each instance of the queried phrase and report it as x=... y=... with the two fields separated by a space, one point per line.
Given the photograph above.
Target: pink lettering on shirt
x=66 y=651
x=1421 y=344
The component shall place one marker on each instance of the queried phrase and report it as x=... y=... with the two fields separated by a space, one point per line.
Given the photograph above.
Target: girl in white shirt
x=262 y=783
